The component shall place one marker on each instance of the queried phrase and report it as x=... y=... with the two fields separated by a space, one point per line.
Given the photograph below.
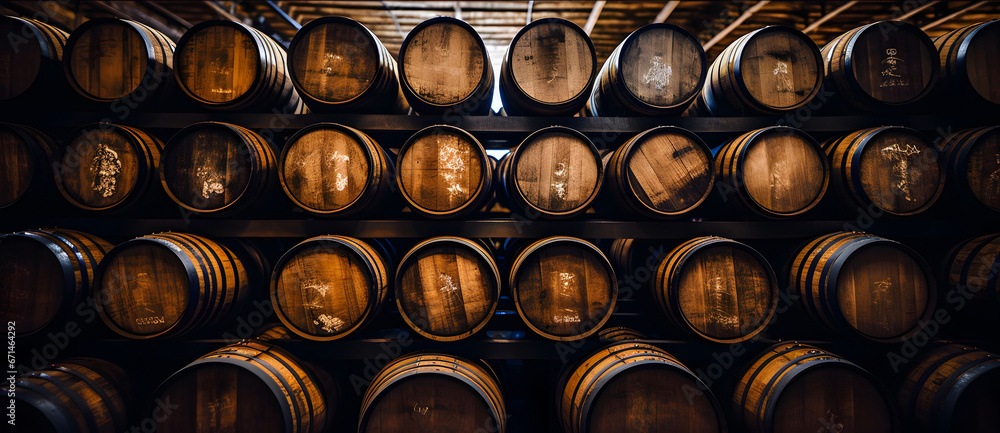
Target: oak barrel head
x=555 y=172
x=899 y=171
x=447 y=288
x=973 y=59
x=32 y=283
x=328 y=169
x=443 y=171
x=667 y=170
x=146 y=287
x=433 y=86
x=30 y=59
x=23 y=160
x=105 y=166
x=780 y=68
x=218 y=63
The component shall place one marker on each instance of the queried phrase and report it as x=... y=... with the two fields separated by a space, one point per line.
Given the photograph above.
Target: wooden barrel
x=618 y=334
x=447 y=288
x=249 y=386
x=218 y=168
x=107 y=167
x=632 y=386
x=31 y=57
x=326 y=287
x=796 y=387
x=227 y=65
x=770 y=70
x=882 y=65
x=660 y=173
x=554 y=173
x=716 y=288
x=864 y=285
x=443 y=172
x=334 y=170
x=972 y=269
x=657 y=70
x=548 y=70
x=564 y=288
x=45 y=275
x=169 y=284
x=973 y=166
x=338 y=65
x=953 y=390
x=108 y=59
x=432 y=392
x=894 y=168
x=462 y=85
x=78 y=395
x=776 y=171
x=25 y=169
x=968 y=61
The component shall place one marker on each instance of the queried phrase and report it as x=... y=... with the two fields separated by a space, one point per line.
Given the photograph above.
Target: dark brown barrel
x=108 y=59
x=716 y=288
x=332 y=169
x=78 y=395
x=326 y=287
x=107 y=167
x=969 y=64
x=972 y=269
x=632 y=386
x=548 y=70
x=227 y=65
x=554 y=173
x=953 y=390
x=462 y=85
x=447 y=288
x=169 y=284
x=770 y=70
x=443 y=171
x=432 y=392
x=661 y=173
x=657 y=70
x=338 y=65
x=564 y=288
x=25 y=170
x=864 y=285
x=218 y=168
x=776 y=171
x=973 y=165
x=45 y=275
x=249 y=386
x=882 y=65
x=794 y=387
x=619 y=333
x=894 y=168
x=31 y=56
x=637 y=258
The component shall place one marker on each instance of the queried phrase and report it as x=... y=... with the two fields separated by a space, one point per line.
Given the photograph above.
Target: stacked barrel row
x=333 y=170
x=335 y=64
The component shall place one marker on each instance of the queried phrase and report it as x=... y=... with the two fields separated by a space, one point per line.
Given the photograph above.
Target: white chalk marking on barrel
x=658 y=74
x=107 y=165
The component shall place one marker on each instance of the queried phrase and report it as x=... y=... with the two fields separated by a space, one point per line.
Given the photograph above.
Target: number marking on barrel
x=658 y=74
x=784 y=83
x=829 y=424
x=901 y=168
x=891 y=75
x=105 y=167
x=421 y=409
x=329 y=323
x=561 y=173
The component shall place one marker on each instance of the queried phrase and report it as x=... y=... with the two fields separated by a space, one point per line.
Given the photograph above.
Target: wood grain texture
x=882 y=65
x=217 y=168
x=25 y=157
x=443 y=171
x=969 y=63
x=549 y=69
x=951 y=389
x=973 y=165
x=169 y=284
x=776 y=171
x=632 y=386
x=108 y=59
x=554 y=173
x=45 y=274
x=660 y=173
x=880 y=289
x=718 y=289
x=463 y=82
x=564 y=288
x=332 y=169
x=326 y=287
x=246 y=387
x=30 y=60
x=972 y=270
x=432 y=392
x=447 y=288
x=74 y=395
x=794 y=387
x=657 y=70
x=894 y=168
x=338 y=65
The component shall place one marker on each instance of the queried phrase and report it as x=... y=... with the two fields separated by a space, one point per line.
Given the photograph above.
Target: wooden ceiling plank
x=953 y=15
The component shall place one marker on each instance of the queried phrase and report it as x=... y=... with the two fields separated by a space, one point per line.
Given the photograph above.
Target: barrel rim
x=44 y=53
x=148 y=61
x=961 y=58
x=853 y=157
x=178 y=59
x=635 y=142
x=572 y=26
x=957 y=158
x=848 y=60
x=486 y=173
x=737 y=63
x=485 y=78
x=515 y=157
x=304 y=32
x=703 y=58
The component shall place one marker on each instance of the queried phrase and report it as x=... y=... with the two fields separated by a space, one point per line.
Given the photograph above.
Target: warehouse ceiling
x=716 y=23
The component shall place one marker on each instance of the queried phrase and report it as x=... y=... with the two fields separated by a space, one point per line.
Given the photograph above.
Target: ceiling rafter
x=664 y=13
x=595 y=14
x=823 y=19
x=726 y=31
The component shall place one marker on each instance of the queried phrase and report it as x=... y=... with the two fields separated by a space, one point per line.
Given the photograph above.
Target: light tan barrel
x=443 y=172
